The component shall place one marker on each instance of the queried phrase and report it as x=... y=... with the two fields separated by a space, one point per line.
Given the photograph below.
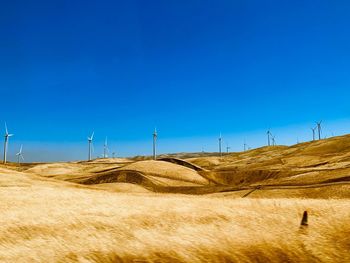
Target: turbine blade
x=92 y=135
x=22 y=157
x=6 y=129
x=20 y=150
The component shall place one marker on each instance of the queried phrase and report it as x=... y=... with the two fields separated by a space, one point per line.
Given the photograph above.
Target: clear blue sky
x=191 y=68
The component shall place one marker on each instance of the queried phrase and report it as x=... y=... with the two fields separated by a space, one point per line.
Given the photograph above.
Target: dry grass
x=331 y=191
x=51 y=222
x=167 y=170
x=307 y=163
x=121 y=187
x=47 y=219
x=311 y=162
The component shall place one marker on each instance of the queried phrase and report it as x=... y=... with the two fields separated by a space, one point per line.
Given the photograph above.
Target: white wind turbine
x=313 y=133
x=155 y=136
x=220 y=141
x=319 y=129
x=7 y=136
x=105 y=149
x=273 y=140
x=269 y=135
x=227 y=148
x=20 y=155
x=90 y=144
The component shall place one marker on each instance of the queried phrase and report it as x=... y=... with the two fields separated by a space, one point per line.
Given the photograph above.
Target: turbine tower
x=7 y=136
x=155 y=135
x=20 y=156
x=268 y=137
x=245 y=146
x=90 y=145
x=273 y=140
x=105 y=149
x=319 y=129
x=313 y=133
x=220 y=141
x=227 y=148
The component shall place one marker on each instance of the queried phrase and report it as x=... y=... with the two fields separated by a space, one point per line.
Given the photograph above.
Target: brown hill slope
x=312 y=163
x=306 y=163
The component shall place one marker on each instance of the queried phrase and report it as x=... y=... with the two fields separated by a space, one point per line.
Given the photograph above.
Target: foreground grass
x=47 y=222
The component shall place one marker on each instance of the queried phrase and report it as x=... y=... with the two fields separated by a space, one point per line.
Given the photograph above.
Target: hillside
x=321 y=167
x=315 y=162
x=206 y=208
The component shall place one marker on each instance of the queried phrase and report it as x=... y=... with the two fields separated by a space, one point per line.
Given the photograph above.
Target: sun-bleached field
x=54 y=223
x=243 y=207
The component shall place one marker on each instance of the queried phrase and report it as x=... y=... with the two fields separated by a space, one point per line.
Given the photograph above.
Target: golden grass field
x=242 y=207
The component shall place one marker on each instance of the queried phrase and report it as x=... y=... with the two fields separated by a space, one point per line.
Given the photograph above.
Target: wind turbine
x=273 y=140
x=20 y=156
x=220 y=140
x=105 y=149
x=319 y=129
x=113 y=154
x=7 y=136
x=313 y=133
x=244 y=146
x=155 y=135
x=268 y=137
x=90 y=145
x=227 y=148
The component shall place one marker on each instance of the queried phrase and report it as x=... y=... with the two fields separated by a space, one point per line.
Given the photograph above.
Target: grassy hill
x=242 y=207
x=322 y=166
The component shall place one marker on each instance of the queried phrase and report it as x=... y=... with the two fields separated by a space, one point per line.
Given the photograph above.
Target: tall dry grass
x=44 y=222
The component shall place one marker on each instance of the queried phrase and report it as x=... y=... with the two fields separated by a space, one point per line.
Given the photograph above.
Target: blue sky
x=191 y=68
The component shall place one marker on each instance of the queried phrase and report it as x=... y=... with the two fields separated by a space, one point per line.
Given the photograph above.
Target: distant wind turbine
x=269 y=134
x=227 y=148
x=220 y=141
x=245 y=146
x=313 y=133
x=273 y=140
x=155 y=135
x=113 y=154
x=90 y=145
x=7 y=136
x=20 y=155
x=105 y=149
x=319 y=129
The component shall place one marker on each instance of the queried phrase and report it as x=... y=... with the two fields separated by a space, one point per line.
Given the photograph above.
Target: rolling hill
x=195 y=209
